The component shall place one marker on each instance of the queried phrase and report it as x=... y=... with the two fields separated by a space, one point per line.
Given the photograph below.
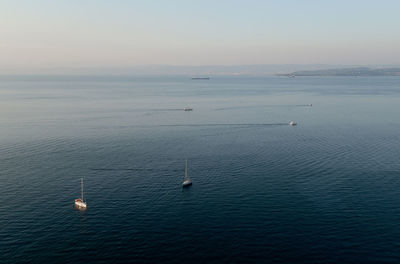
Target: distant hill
x=359 y=71
x=188 y=71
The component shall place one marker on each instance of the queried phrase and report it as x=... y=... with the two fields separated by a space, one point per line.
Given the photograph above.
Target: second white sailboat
x=186 y=180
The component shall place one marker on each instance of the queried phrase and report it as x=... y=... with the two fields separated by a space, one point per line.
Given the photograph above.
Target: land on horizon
x=213 y=70
x=358 y=71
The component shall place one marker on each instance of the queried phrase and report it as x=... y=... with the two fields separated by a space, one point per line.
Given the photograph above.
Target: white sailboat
x=80 y=202
x=186 y=181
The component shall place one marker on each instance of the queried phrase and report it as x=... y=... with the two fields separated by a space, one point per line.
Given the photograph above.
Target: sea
x=324 y=191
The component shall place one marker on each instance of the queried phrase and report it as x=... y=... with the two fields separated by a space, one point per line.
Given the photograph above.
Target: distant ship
x=200 y=78
x=187 y=109
x=80 y=203
x=291 y=123
x=186 y=181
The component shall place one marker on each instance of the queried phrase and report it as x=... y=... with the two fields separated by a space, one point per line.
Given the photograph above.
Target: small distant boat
x=187 y=109
x=291 y=123
x=80 y=203
x=200 y=78
x=186 y=181
x=309 y=104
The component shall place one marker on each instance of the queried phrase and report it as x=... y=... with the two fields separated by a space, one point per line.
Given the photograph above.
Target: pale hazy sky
x=110 y=33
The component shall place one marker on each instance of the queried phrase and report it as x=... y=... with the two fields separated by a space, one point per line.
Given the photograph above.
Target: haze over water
x=324 y=191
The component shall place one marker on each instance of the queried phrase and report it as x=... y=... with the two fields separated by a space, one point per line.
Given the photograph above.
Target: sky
x=122 y=33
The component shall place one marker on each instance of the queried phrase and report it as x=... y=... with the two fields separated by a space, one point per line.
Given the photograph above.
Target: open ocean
x=324 y=191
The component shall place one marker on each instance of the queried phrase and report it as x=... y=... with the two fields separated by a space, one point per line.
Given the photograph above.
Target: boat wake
x=120 y=169
x=261 y=106
x=229 y=124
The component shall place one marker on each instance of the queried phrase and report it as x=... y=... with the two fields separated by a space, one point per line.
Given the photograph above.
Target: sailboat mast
x=82 y=189
x=186 y=170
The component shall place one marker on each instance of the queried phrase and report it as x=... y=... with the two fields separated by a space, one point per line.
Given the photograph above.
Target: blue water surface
x=324 y=191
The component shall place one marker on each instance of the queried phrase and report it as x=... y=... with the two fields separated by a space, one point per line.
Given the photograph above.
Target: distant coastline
x=203 y=71
x=359 y=71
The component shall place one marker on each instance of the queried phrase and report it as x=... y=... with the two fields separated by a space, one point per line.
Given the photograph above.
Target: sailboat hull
x=186 y=183
x=79 y=203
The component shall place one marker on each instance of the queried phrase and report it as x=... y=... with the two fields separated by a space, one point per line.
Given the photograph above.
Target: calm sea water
x=324 y=191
